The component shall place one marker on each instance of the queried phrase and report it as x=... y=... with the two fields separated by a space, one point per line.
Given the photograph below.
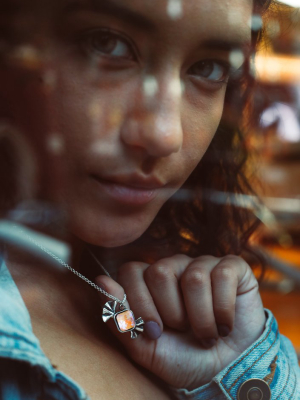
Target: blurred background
x=276 y=143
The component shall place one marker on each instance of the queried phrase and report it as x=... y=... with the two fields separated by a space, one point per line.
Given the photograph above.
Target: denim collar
x=17 y=340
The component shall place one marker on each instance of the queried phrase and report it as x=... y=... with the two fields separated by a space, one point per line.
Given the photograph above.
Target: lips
x=132 y=189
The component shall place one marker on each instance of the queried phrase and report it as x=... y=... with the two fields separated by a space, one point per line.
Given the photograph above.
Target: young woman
x=130 y=110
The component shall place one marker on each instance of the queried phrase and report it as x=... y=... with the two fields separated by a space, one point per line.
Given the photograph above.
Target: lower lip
x=126 y=194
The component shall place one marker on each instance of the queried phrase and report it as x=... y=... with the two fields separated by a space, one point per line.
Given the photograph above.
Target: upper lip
x=134 y=181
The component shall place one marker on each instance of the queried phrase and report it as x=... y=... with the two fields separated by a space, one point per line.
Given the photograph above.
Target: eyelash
x=119 y=43
x=216 y=67
x=122 y=43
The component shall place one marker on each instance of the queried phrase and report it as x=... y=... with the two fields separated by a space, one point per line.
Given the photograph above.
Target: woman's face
x=136 y=91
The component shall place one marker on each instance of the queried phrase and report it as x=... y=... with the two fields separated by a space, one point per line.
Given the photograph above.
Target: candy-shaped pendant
x=124 y=319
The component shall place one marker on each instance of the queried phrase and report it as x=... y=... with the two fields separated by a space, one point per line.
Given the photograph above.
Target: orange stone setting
x=125 y=321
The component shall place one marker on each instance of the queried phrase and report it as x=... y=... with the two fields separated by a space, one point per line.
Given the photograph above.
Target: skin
x=192 y=300
x=110 y=129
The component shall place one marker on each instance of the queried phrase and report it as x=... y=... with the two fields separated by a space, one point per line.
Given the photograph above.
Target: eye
x=105 y=43
x=214 y=71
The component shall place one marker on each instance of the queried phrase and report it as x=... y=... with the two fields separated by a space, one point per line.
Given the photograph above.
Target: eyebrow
x=111 y=7
x=114 y=8
x=227 y=45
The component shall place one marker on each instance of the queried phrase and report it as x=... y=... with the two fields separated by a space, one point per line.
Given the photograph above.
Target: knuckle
x=194 y=277
x=179 y=258
x=224 y=271
x=159 y=273
x=234 y=260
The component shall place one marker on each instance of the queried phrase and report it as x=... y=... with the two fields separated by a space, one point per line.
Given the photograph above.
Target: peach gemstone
x=125 y=320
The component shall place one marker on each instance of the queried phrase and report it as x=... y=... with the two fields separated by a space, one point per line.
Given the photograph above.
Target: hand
x=208 y=309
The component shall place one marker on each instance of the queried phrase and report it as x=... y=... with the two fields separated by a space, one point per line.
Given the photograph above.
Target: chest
x=97 y=364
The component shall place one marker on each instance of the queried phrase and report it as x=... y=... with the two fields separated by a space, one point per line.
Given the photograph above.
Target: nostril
x=158 y=132
x=171 y=143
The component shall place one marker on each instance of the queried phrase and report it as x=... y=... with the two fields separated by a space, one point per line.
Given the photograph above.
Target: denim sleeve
x=255 y=363
x=21 y=381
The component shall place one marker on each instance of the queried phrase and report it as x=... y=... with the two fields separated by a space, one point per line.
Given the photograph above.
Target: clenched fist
x=199 y=314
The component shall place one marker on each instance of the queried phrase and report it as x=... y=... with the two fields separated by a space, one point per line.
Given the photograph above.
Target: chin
x=108 y=234
x=108 y=241
x=116 y=241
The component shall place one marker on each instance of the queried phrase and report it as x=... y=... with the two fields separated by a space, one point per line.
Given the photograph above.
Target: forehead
x=200 y=14
x=202 y=17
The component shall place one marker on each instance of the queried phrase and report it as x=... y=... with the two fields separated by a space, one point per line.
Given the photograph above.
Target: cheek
x=87 y=118
x=200 y=122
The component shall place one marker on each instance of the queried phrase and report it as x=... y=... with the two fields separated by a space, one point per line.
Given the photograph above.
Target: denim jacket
x=27 y=374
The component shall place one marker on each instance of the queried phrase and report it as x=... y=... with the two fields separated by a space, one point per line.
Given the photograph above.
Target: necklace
x=123 y=317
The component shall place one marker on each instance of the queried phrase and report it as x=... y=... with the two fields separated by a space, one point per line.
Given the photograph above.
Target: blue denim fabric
x=27 y=374
x=254 y=363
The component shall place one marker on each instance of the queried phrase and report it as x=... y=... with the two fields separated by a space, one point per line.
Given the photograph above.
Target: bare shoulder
x=97 y=364
x=66 y=318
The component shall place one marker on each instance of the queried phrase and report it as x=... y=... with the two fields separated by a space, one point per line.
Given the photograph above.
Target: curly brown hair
x=203 y=218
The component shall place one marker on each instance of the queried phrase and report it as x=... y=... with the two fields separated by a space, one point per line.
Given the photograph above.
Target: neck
x=140 y=250
x=54 y=295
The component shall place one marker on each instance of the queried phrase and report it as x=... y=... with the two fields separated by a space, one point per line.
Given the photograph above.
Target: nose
x=153 y=121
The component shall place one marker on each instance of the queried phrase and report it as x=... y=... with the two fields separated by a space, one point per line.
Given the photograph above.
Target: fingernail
x=208 y=343
x=152 y=330
x=223 y=330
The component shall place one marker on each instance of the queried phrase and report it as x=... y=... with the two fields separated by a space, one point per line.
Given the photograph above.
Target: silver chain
x=64 y=264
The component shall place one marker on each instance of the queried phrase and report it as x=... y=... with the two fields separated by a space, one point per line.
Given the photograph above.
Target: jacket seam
x=294 y=389
x=287 y=379
x=14 y=337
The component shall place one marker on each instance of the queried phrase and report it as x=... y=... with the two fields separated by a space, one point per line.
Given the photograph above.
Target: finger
x=197 y=292
x=131 y=277
x=140 y=349
x=111 y=287
x=226 y=278
x=162 y=279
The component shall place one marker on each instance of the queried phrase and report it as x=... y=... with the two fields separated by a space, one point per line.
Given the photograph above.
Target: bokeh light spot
x=174 y=9
x=256 y=22
x=236 y=58
x=27 y=56
x=150 y=86
x=56 y=143
x=273 y=28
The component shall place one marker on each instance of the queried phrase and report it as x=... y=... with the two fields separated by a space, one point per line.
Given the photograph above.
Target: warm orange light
x=277 y=69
